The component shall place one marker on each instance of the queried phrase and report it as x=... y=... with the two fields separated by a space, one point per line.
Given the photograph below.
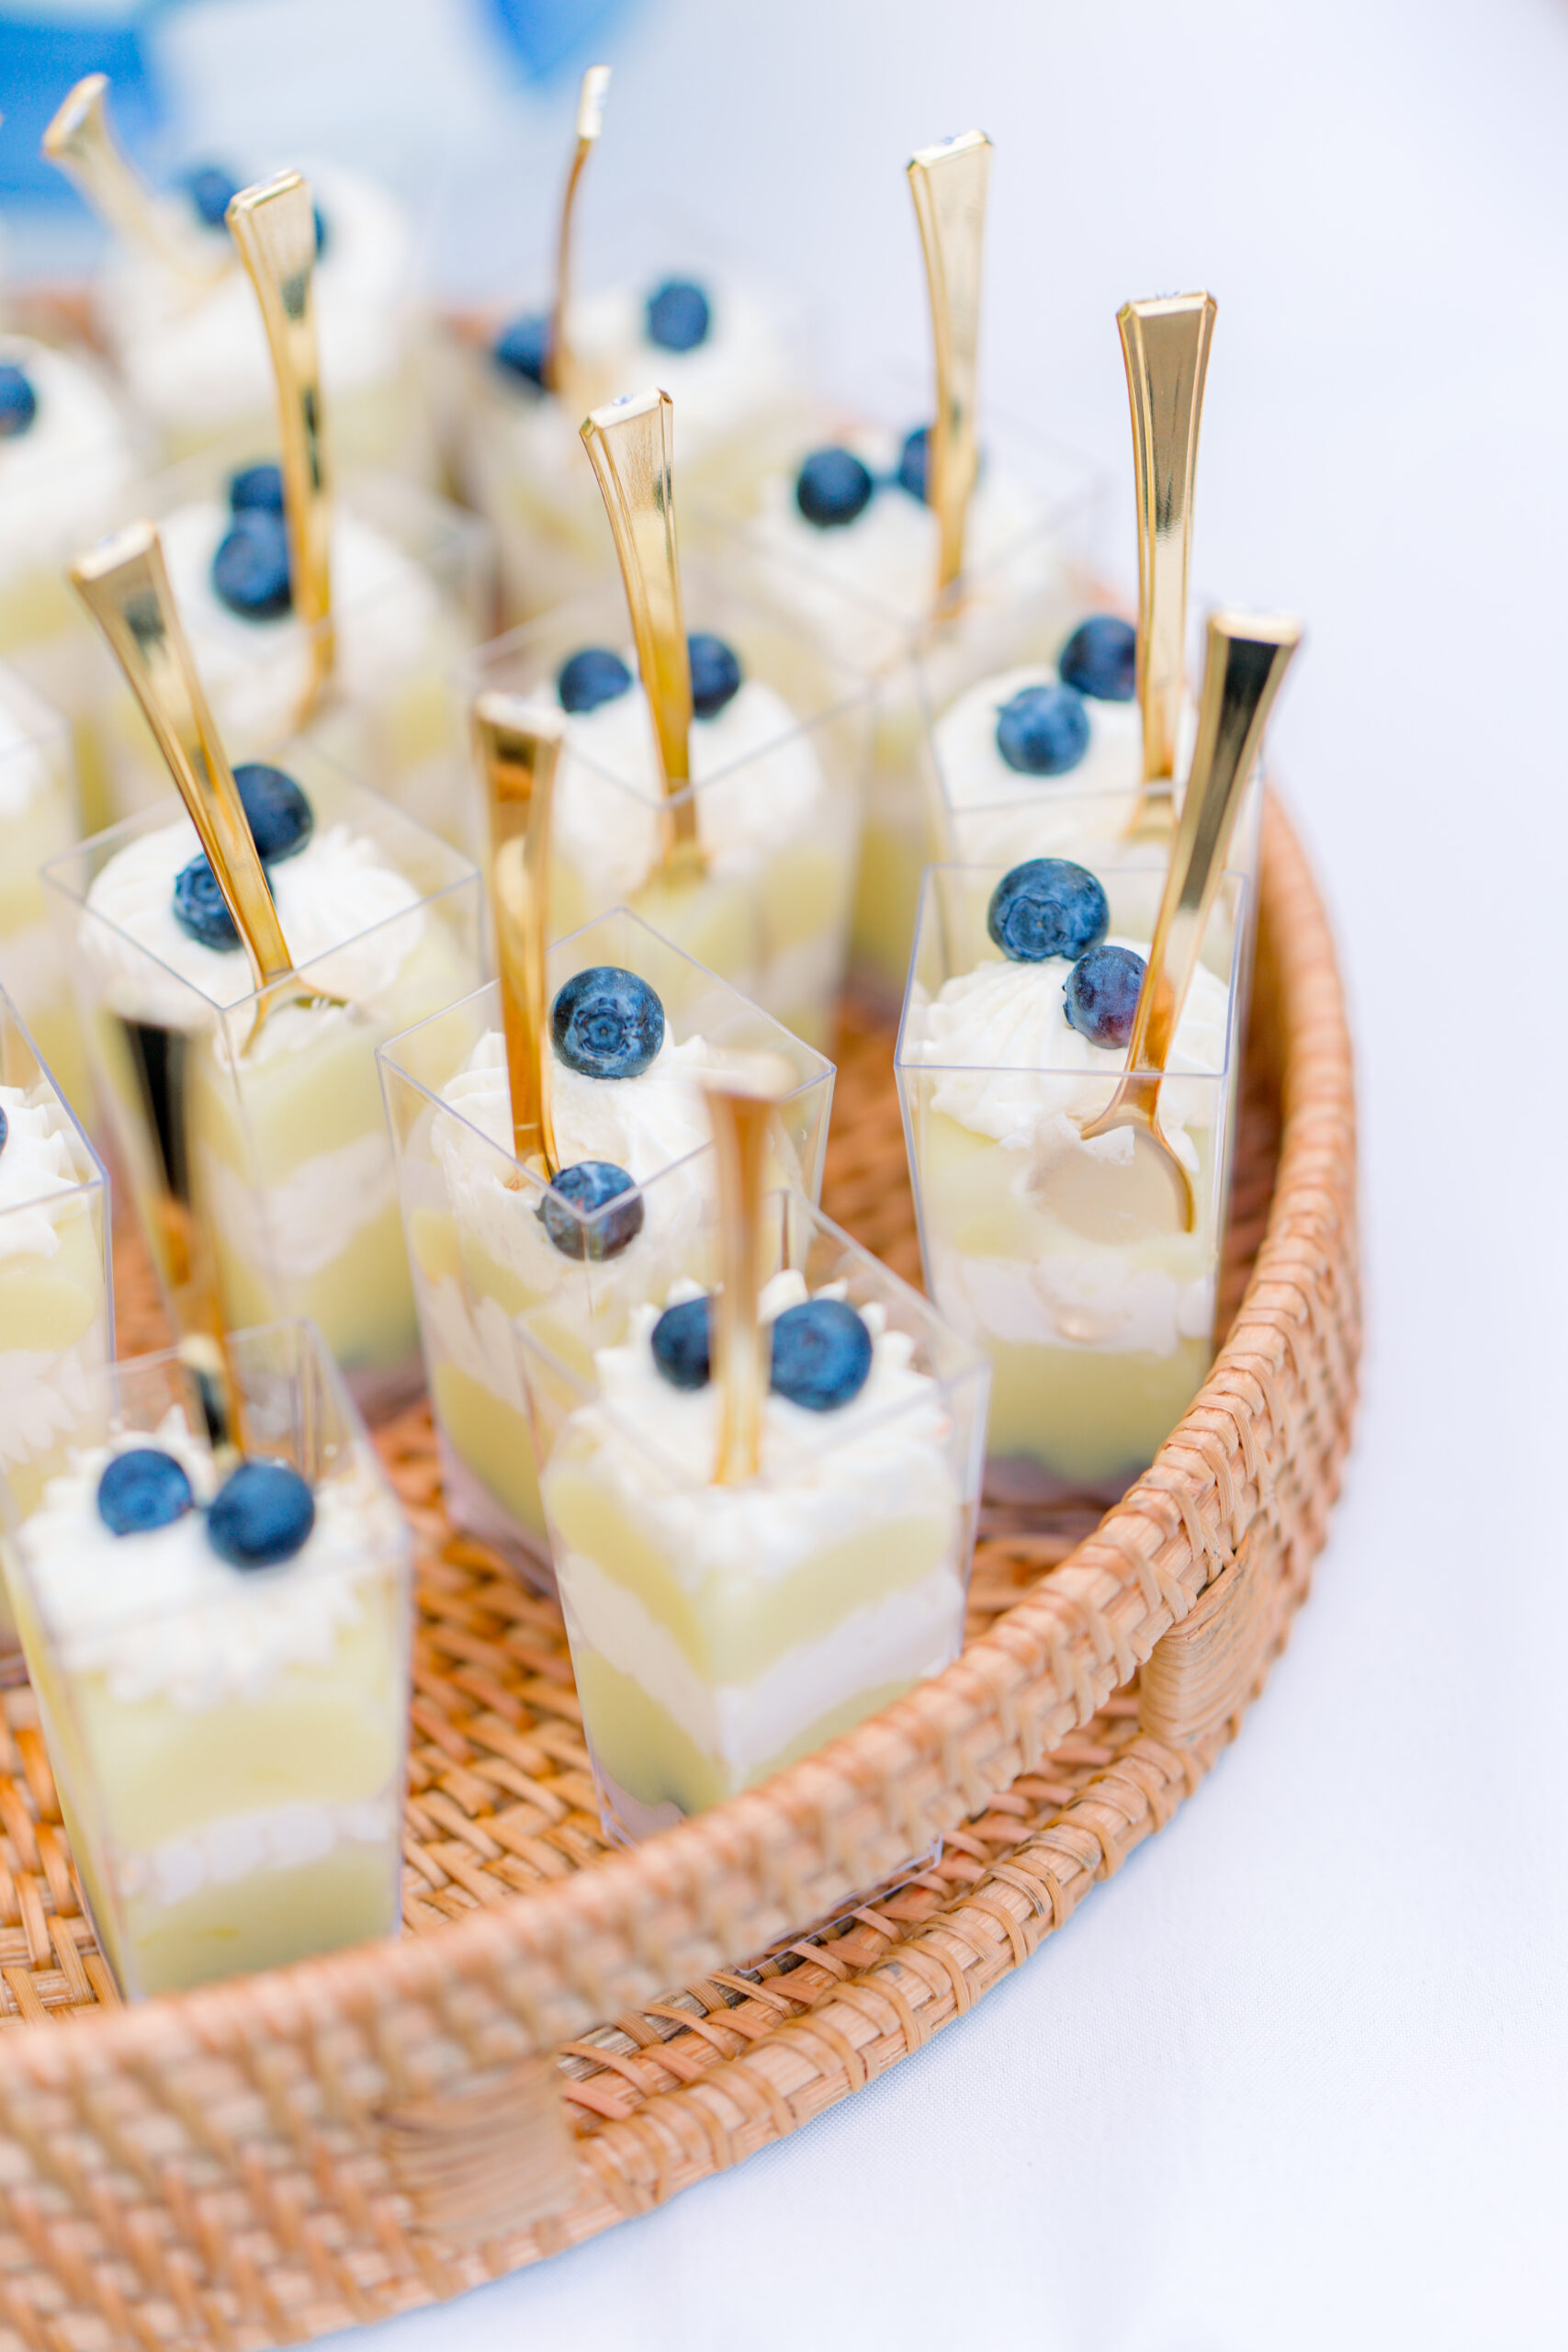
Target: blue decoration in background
x=548 y=36
x=40 y=57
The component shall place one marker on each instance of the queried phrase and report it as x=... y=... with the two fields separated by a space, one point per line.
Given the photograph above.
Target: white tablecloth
x=1295 y=2077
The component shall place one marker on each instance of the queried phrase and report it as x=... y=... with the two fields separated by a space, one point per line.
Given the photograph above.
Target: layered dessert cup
x=274 y=1136
x=488 y=1239
x=410 y=597
x=38 y=820
x=219 y=1656
x=719 y=1633
x=56 y=1298
x=778 y=747
x=1045 y=1249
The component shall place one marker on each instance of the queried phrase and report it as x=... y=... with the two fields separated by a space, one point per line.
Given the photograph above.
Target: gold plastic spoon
x=559 y=374
x=949 y=183
x=629 y=443
x=742 y=1106
x=519 y=745
x=80 y=143
x=1165 y=347
x=274 y=225
x=1246 y=658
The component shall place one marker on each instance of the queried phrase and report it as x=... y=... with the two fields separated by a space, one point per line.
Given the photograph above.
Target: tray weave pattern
x=566 y=2035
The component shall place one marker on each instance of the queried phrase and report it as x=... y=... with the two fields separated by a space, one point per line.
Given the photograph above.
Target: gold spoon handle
x=125 y=586
x=949 y=183
x=558 y=370
x=1246 y=658
x=519 y=745
x=274 y=225
x=1165 y=343
x=741 y=1119
x=629 y=446
x=80 y=143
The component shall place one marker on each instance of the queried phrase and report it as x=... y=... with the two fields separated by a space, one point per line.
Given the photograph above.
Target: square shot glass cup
x=778 y=823
x=720 y=1633
x=229 y=1745
x=278 y=1146
x=412 y=588
x=38 y=820
x=480 y=1254
x=1044 y=1250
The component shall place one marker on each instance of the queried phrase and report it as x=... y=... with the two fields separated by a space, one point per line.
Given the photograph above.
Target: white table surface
x=1295 y=2077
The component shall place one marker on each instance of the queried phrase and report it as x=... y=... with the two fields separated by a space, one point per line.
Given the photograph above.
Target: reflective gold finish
x=80 y=143
x=1165 y=345
x=558 y=370
x=274 y=225
x=742 y=1117
x=1246 y=657
x=949 y=183
x=629 y=443
x=519 y=745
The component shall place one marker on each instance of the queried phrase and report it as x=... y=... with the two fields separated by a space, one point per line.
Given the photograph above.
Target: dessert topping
x=1047 y=907
x=607 y=1023
x=281 y=818
x=258 y=485
x=593 y=676
x=568 y=1211
x=914 y=462
x=1044 y=730
x=821 y=1354
x=5 y=1130
x=249 y=570
x=261 y=1515
x=682 y=1342
x=19 y=401
x=832 y=487
x=1101 y=658
x=715 y=673
x=523 y=348
x=1100 y=995
x=142 y=1489
x=677 y=315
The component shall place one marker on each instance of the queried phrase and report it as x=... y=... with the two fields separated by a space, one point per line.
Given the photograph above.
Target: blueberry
x=323 y=235
x=715 y=673
x=821 y=1354
x=142 y=1489
x=1047 y=907
x=256 y=486
x=249 y=570
x=914 y=462
x=200 y=908
x=1101 y=994
x=5 y=1130
x=682 y=1344
x=281 y=818
x=607 y=1023
x=1044 y=730
x=19 y=402
x=261 y=1515
x=832 y=487
x=523 y=348
x=677 y=315
x=593 y=676
x=1100 y=658
x=211 y=190
x=584 y=1189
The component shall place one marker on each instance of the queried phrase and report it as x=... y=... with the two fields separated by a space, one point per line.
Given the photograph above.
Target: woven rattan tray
x=276 y=2157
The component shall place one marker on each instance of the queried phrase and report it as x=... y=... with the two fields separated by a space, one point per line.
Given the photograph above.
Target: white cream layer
x=1089 y=1298
x=44 y=1394
x=42 y=1164
x=60 y=480
x=294 y=1229
x=250 y=1845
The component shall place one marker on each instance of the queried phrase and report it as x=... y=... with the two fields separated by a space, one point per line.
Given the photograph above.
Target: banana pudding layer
x=38 y=822
x=720 y=1632
x=54 y=1316
x=220 y=1666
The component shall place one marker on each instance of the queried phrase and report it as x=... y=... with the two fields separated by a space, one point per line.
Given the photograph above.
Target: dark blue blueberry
x=1047 y=907
x=1044 y=730
x=832 y=487
x=677 y=315
x=1101 y=994
x=256 y=486
x=281 y=818
x=914 y=462
x=568 y=1210
x=607 y=1023
x=523 y=346
x=200 y=908
x=211 y=190
x=821 y=1354
x=593 y=676
x=19 y=402
x=682 y=1344
x=5 y=1130
x=715 y=673
x=141 y=1490
x=249 y=570
x=323 y=235
x=1100 y=658
x=261 y=1515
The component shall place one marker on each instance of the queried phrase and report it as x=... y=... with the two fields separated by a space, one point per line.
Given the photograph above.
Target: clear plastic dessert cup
x=866 y=589
x=228 y=1741
x=720 y=1633
x=38 y=820
x=777 y=770
x=411 y=584
x=56 y=1296
x=275 y=1138
x=479 y=1251
x=1049 y=1252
